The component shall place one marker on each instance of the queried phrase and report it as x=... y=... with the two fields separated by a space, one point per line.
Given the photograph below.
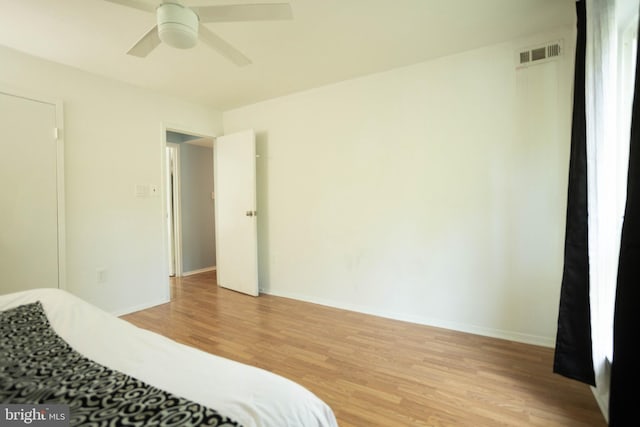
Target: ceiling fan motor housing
x=177 y=25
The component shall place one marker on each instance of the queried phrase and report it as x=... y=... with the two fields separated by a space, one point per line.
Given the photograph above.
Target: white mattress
x=251 y=396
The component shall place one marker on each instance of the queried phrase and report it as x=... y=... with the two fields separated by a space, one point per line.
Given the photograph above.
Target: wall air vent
x=539 y=54
x=553 y=50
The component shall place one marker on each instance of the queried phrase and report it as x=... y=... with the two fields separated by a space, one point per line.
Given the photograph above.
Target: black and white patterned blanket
x=37 y=366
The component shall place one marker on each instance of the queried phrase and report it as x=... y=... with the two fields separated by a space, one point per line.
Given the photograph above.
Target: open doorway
x=189 y=203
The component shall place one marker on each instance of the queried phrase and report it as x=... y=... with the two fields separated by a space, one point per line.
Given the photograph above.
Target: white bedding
x=251 y=396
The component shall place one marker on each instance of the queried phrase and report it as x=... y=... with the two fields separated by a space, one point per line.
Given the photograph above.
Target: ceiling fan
x=180 y=26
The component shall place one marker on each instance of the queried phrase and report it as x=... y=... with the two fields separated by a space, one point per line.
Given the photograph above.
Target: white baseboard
x=135 y=308
x=202 y=270
x=438 y=323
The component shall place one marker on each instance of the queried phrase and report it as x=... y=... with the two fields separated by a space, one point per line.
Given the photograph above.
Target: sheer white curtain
x=604 y=227
x=608 y=126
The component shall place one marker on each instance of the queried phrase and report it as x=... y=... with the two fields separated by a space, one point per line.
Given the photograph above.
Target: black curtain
x=573 y=353
x=625 y=371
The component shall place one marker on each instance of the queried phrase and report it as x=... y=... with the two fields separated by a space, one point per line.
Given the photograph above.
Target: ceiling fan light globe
x=177 y=25
x=175 y=35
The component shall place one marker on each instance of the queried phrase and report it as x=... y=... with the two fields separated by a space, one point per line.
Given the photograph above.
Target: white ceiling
x=327 y=41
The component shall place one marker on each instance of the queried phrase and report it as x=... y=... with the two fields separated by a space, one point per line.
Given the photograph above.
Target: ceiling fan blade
x=135 y=4
x=146 y=44
x=222 y=47
x=244 y=12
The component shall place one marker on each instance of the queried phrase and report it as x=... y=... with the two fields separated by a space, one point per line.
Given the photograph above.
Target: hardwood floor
x=374 y=371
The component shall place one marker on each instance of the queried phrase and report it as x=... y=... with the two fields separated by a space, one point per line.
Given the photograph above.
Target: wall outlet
x=101 y=275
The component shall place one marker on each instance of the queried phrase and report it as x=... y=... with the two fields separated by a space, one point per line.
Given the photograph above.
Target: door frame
x=177 y=211
x=164 y=192
x=59 y=135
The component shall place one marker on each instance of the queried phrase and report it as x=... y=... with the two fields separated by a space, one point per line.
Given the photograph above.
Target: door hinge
x=56 y=133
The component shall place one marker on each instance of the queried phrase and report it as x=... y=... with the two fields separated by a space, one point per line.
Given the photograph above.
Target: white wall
x=113 y=139
x=433 y=193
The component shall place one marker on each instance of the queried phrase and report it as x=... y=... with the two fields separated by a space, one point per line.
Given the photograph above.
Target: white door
x=29 y=188
x=234 y=168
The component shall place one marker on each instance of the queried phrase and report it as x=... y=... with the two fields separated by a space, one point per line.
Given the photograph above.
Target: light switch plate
x=141 y=190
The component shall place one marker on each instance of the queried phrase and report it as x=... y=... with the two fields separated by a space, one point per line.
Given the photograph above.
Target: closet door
x=29 y=194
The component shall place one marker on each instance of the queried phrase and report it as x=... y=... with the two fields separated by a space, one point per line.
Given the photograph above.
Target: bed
x=242 y=394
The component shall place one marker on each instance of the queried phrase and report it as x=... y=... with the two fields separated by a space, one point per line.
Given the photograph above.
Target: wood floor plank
x=374 y=371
